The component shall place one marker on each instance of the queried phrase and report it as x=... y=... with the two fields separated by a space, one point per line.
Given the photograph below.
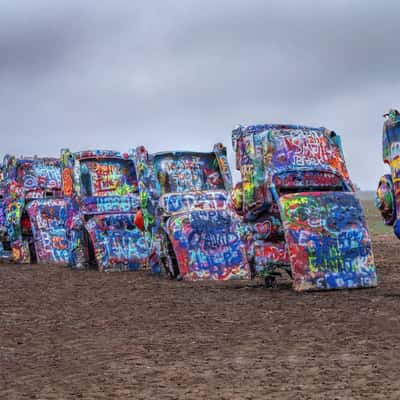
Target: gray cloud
x=181 y=74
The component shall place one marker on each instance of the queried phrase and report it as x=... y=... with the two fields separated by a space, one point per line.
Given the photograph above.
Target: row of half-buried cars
x=177 y=212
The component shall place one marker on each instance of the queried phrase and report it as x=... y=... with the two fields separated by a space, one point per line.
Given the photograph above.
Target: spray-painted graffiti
x=109 y=204
x=107 y=177
x=306 y=179
x=304 y=148
x=269 y=253
x=48 y=223
x=328 y=242
x=275 y=160
x=175 y=203
x=385 y=201
x=388 y=192
x=103 y=196
x=33 y=198
x=190 y=231
x=191 y=172
x=34 y=175
x=4 y=238
x=119 y=244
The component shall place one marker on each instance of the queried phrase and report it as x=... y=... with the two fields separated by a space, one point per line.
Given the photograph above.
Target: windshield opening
x=107 y=177
x=187 y=172
x=38 y=174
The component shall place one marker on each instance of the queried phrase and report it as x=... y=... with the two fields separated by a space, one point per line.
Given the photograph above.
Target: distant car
x=191 y=232
x=34 y=210
x=102 y=192
x=387 y=194
x=299 y=205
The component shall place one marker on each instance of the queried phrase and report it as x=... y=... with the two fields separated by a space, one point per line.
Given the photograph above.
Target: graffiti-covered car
x=299 y=205
x=191 y=233
x=102 y=190
x=3 y=228
x=5 y=249
x=387 y=194
x=35 y=212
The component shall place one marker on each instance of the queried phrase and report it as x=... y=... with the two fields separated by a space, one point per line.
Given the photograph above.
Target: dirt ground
x=86 y=335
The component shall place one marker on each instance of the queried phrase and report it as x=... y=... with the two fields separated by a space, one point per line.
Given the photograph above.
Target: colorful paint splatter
x=184 y=201
x=282 y=169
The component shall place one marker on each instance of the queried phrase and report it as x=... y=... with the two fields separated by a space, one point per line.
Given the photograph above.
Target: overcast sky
x=181 y=74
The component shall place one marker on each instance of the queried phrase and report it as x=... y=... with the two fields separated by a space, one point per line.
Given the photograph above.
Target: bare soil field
x=86 y=335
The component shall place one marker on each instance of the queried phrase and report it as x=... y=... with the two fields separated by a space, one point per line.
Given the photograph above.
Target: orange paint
x=67 y=182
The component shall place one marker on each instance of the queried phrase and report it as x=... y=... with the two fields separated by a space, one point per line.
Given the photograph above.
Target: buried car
x=103 y=198
x=299 y=205
x=191 y=233
x=34 y=210
x=4 y=239
x=387 y=198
